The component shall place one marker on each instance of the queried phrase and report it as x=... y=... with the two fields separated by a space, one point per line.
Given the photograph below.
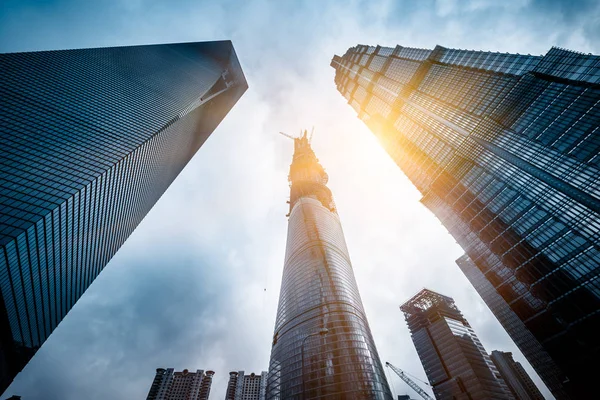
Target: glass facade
x=531 y=347
x=91 y=139
x=322 y=346
x=515 y=376
x=454 y=359
x=505 y=149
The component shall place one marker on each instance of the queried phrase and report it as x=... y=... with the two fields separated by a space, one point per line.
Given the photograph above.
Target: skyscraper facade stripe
x=322 y=346
x=91 y=139
x=505 y=149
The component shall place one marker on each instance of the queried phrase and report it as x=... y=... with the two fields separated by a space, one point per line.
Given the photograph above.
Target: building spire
x=307 y=176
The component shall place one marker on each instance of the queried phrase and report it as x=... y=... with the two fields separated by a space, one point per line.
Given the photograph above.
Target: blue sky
x=187 y=289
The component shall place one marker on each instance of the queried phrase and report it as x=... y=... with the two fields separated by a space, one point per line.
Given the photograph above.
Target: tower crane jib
x=409 y=381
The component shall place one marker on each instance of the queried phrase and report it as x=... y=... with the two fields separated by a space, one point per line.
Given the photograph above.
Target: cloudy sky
x=187 y=290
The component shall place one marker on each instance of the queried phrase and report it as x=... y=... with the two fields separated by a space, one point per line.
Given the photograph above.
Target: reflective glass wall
x=322 y=346
x=90 y=139
x=505 y=148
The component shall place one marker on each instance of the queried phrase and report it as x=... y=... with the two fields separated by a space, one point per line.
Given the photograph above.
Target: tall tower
x=322 y=346
x=505 y=149
x=89 y=141
x=456 y=364
x=515 y=376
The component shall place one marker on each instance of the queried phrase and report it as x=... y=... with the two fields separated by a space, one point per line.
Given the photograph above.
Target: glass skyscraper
x=532 y=348
x=456 y=364
x=515 y=376
x=89 y=141
x=322 y=346
x=505 y=149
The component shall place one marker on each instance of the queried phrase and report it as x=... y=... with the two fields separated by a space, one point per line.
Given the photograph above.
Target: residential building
x=91 y=139
x=246 y=387
x=184 y=385
x=322 y=346
x=505 y=149
x=456 y=364
x=515 y=376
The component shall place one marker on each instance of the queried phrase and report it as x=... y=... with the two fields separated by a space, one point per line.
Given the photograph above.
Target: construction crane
x=287 y=135
x=409 y=381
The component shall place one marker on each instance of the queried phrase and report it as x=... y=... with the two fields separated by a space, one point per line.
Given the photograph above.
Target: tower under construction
x=456 y=364
x=322 y=345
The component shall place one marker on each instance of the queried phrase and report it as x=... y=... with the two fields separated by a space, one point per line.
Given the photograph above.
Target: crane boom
x=409 y=381
x=286 y=135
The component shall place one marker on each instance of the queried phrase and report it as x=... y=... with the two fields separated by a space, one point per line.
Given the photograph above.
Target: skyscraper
x=322 y=346
x=90 y=140
x=515 y=376
x=505 y=149
x=184 y=385
x=246 y=387
x=456 y=364
x=536 y=354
